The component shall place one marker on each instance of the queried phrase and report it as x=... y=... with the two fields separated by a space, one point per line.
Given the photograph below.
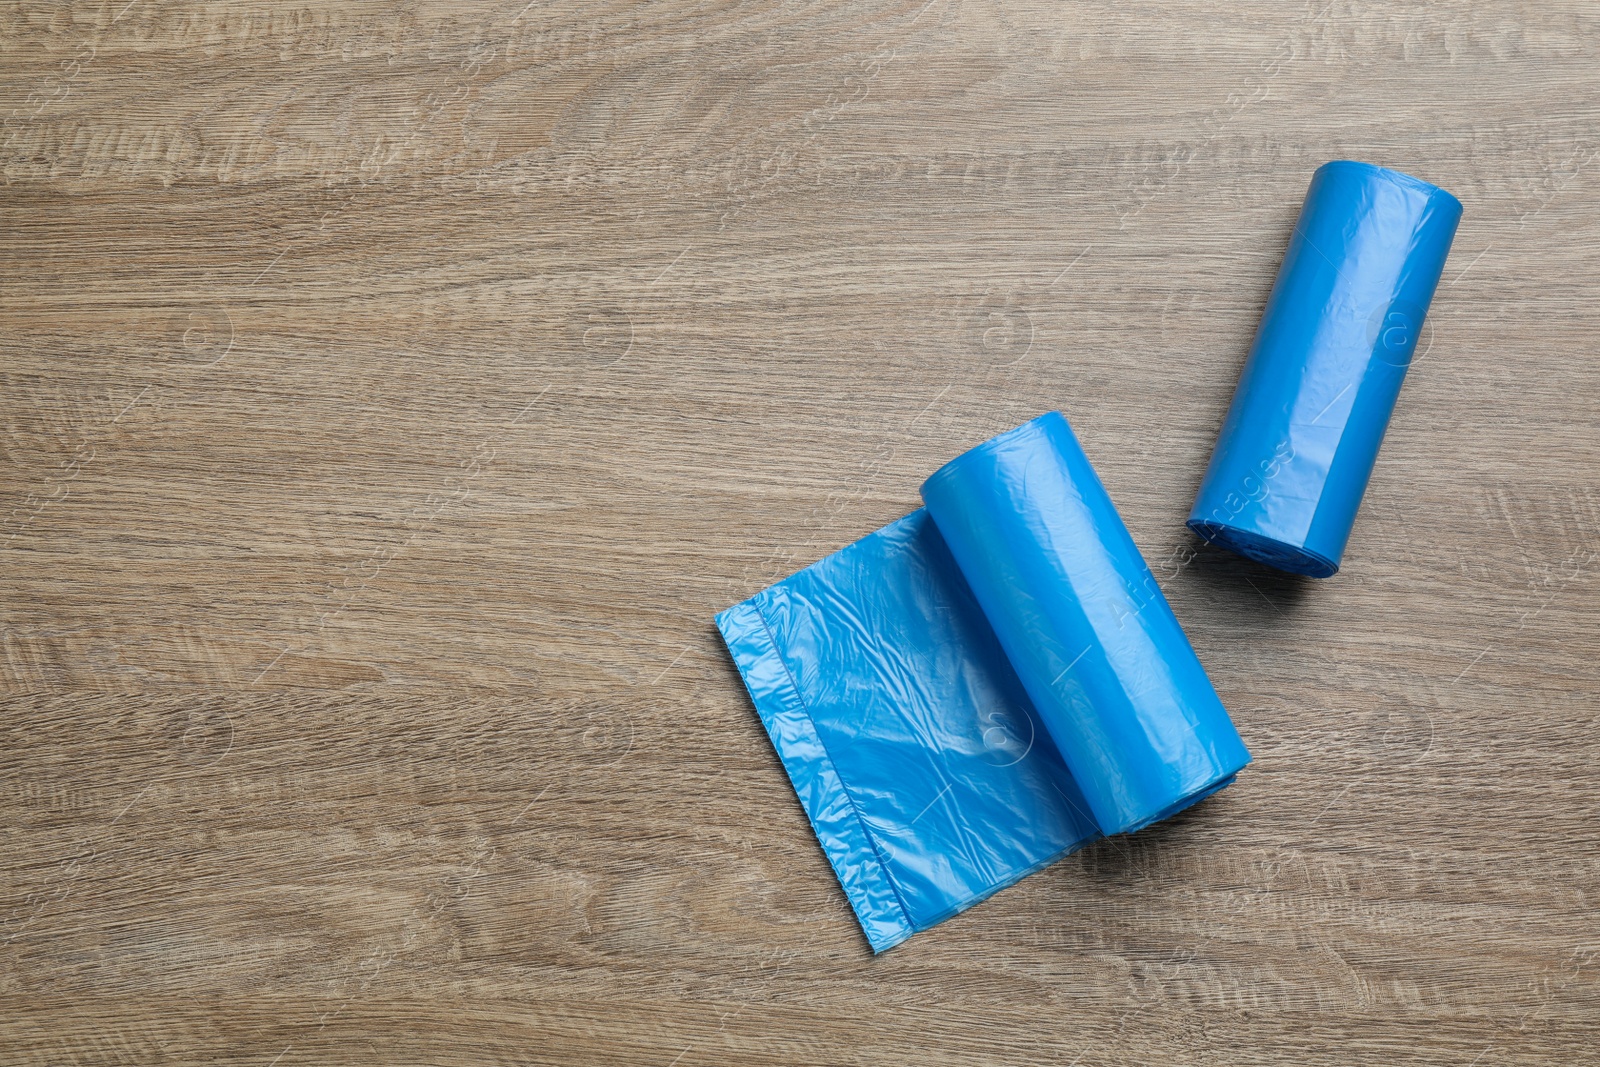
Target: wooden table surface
x=393 y=392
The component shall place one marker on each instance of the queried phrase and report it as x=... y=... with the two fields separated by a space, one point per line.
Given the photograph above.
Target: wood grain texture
x=393 y=391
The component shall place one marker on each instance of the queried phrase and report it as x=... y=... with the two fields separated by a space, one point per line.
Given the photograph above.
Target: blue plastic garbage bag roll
x=981 y=687
x=1340 y=328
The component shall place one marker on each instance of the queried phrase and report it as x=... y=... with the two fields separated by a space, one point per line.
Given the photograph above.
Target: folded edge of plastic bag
x=817 y=783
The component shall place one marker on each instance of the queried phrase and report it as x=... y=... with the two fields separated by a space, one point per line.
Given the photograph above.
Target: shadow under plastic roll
x=1298 y=444
x=1083 y=622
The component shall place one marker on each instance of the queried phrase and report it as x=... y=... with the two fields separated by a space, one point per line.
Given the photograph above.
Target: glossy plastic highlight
x=1340 y=329
x=980 y=687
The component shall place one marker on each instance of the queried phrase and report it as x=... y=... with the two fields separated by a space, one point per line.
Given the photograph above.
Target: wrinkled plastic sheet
x=981 y=687
x=1339 y=330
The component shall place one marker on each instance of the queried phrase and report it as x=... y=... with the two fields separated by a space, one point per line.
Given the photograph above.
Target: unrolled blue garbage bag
x=1340 y=328
x=981 y=687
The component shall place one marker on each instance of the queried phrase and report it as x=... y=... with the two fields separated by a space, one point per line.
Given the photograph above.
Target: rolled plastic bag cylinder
x=1298 y=444
x=1084 y=624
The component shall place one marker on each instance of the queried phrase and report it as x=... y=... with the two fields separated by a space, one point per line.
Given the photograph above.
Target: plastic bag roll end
x=1225 y=755
x=1187 y=801
x=1372 y=171
x=1295 y=559
x=1039 y=424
